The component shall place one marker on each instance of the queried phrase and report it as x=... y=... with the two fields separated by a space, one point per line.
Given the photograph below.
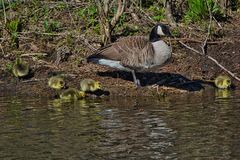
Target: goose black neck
x=154 y=36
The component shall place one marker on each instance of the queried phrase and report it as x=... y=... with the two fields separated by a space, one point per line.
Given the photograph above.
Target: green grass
x=157 y=12
x=14 y=27
x=198 y=10
x=51 y=25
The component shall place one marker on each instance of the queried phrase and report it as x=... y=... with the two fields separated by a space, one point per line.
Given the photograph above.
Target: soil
x=186 y=72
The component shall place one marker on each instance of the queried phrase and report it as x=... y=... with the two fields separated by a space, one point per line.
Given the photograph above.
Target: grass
x=51 y=25
x=14 y=27
x=198 y=10
x=157 y=12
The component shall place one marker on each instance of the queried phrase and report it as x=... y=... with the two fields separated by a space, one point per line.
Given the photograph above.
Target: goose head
x=158 y=31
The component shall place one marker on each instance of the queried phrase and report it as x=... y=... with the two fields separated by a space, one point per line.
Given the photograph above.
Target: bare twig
x=4 y=12
x=188 y=47
x=33 y=54
x=189 y=40
x=121 y=6
x=3 y=53
x=204 y=46
x=219 y=25
x=168 y=13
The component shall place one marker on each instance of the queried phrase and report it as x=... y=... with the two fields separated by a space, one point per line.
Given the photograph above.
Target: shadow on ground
x=162 y=79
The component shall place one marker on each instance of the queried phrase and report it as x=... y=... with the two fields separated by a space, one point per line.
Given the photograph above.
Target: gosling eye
x=61 y=83
x=228 y=81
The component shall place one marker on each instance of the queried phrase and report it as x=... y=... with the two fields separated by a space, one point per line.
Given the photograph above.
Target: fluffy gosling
x=20 y=68
x=56 y=82
x=90 y=85
x=222 y=82
x=72 y=94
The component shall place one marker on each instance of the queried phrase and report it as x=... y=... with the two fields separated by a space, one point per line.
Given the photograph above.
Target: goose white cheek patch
x=159 y=31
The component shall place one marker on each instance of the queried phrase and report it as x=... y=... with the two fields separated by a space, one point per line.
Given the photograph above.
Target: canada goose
x=90 y=85
x=20 y=68
x=72 y=94
x=56 y=82
x=135 y=52
x=222 y=82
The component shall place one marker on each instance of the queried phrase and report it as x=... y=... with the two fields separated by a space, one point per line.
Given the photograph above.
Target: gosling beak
x=65 y=86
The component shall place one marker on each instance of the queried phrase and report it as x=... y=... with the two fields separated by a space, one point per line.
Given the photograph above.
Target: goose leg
x=136 y=81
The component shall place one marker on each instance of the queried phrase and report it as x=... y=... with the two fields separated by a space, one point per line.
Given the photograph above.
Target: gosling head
x=97 y=85
x=158 y=31
x=56 y=83
x=61 y=84
x=227 y=83
x=20 y=68
x=223 y=82
x=82 y=94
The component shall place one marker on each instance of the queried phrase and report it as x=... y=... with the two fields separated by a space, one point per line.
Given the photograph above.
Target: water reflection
x=195 y=126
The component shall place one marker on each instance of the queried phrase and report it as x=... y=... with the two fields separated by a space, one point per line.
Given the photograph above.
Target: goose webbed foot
x=136 y=81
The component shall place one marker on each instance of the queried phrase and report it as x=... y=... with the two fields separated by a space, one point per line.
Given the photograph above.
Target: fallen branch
x=204 y=46
x=33 y=54
x=212 y=59
x=189 y=40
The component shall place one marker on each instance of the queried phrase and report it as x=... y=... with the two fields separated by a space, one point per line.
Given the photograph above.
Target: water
x=188 y=126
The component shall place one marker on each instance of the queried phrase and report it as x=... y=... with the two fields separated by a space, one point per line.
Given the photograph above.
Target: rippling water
x=190 y=126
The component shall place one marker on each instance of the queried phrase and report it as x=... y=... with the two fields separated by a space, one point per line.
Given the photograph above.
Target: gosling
x=72 y=94
x=56 y=82
x=222 y=82
x=90 y=85
x=20 y=68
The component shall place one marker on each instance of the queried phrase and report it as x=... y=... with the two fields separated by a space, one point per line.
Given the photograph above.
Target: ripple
x=203 y=126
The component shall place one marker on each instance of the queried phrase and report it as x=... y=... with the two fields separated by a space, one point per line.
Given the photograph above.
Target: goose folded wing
x=132 y=52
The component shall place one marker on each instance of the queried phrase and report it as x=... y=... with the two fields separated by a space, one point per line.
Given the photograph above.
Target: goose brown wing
x=138 y=52
x=131 y=51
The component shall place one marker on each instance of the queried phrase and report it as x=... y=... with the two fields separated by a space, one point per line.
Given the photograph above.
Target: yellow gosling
x=20 y=68
x=222 y=82
x=90 y=85
x=56 y=82
x=72 y=94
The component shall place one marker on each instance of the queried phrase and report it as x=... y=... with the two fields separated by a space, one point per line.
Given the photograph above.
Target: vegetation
x=14 y=27
x=44 y=32
x=200 y=10
x=98 y=21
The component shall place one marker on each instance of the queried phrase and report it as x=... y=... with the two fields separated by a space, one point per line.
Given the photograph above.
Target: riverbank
x=186 y=71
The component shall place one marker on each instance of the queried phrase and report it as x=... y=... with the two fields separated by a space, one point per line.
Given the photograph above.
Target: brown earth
x=186 y=72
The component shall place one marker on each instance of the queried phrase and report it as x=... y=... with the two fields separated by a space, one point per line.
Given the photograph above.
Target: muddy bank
x=184 y=73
